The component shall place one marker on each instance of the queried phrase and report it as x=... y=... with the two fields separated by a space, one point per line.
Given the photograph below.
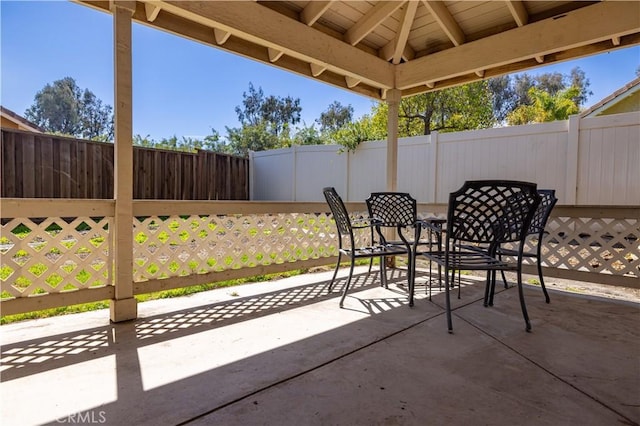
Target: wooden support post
x=123 y=306
x=393 y=99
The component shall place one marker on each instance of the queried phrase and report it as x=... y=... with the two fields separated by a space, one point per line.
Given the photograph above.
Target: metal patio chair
x=481 y=216
x=347 y=241
x=538 y=224
x=398 y=210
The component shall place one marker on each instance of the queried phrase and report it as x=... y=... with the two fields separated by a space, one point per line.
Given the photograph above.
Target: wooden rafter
x=446 y=21
x=402 y=35
x=381 y=11
x=313 y=11
x=518 y=11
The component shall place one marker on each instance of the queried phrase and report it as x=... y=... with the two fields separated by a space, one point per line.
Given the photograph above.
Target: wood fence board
x=28 y=176
x=46 y=168
x=8 y=184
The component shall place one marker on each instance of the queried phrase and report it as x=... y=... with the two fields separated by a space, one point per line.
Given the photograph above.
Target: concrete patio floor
x=284 y=353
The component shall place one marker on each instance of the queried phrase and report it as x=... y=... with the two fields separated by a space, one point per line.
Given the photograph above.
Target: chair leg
x=412 y=277
x=493 y=286
x=335 y=273
x=544 y=289
x=522 y=303
x=348 y=283
x=370 y=265
x=487 y=290
x=383 y=273
x=448 y=302
x=504 y=279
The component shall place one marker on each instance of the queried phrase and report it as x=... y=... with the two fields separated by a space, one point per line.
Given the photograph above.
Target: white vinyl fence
x=589 y=162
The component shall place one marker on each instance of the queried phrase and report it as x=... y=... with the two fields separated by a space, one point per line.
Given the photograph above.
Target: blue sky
x=181 y=87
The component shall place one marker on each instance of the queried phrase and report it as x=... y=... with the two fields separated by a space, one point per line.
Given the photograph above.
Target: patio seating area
x=284 y=353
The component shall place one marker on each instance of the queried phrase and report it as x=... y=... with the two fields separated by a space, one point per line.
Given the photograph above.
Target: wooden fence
x=47 y=166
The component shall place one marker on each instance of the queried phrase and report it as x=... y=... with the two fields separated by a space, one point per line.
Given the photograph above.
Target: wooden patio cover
x=371 y=47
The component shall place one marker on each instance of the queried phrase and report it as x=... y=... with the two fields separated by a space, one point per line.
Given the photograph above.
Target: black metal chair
x=396 y=210
x=347 y=241
x=481 y=216
x=538 y=224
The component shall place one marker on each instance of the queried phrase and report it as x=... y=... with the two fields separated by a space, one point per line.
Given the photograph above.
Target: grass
x=167 y=294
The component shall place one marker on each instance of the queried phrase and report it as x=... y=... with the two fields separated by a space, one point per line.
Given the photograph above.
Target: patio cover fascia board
x=570 y=31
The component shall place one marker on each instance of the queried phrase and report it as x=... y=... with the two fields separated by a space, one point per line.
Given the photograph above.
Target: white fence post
x=252 y=175
x=573 y=145
x=294 y=169
x=433 y=168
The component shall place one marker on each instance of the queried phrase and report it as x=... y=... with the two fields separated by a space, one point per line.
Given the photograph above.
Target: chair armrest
x=433 y=224
x=365 y=222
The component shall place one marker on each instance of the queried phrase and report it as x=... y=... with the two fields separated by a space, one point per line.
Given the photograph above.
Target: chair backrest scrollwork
x=491 y=211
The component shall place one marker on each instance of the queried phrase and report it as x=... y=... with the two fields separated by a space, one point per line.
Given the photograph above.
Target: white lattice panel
x=54 y=255
x=607 y=246
x=182 y=245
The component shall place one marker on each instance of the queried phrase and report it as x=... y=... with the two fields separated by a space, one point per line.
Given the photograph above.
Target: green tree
x=274 y=112
x=251 y=138
x=546 y=107
x=335 y=117
x=266 y=122
x=458 y=108
x=511 y=93
x=63 y=108
x=368 y=128
x=309 y=135
x=96 y=118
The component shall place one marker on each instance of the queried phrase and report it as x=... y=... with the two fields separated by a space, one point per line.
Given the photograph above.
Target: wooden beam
x=519 y=12
x=615 y=41
x=313 y=11
x=381 y=11
x=388 y=50
x=446 y=21
x=403 y=33
x=265 y=27
x=540 y=59
x=578 y=28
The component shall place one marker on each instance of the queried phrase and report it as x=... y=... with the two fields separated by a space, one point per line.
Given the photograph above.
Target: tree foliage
x=546 y=107
x=274 y=113
x=514 y=93
x=368 y=128
x=335 y=117
x=458 y=108
x=63 y=108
